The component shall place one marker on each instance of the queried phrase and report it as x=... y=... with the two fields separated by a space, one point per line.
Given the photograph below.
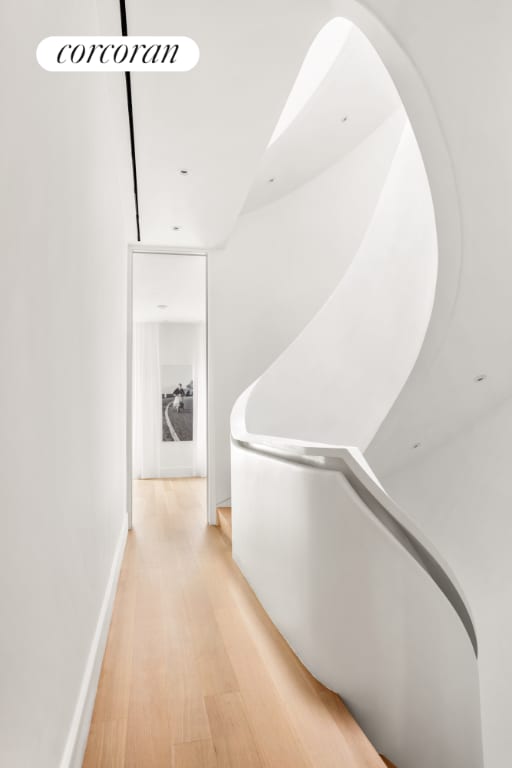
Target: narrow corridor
x=195 y=674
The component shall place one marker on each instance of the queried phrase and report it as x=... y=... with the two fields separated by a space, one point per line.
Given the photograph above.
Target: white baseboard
x=176 y=472
x=77 y=737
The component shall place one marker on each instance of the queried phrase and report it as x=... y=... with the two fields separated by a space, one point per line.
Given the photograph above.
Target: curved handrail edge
x=350 y=461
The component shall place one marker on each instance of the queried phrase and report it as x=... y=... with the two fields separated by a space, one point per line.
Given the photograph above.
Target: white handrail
x=351 y=463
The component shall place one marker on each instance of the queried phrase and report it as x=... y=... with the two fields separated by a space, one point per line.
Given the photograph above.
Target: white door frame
x=171 y=251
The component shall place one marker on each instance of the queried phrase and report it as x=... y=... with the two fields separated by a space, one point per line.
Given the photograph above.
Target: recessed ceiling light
x=162 y=306
x=479 y=378
x=417 y=445
x=344 y=119
x=184 y=171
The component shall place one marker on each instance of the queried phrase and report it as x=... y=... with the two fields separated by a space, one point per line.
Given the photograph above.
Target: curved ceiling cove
x=214 y=121
x=328 y=114
x=363 y=343
x=321 y=56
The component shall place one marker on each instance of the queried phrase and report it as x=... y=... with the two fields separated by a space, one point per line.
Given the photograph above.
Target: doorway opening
x=167 y=403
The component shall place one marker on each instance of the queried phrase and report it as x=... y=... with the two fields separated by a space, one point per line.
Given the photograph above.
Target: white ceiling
x=216 y=120
x=322 y=53
x=179 y=282
x=355 y=97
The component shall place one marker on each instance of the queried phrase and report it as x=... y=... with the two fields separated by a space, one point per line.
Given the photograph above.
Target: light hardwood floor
x=195 y=675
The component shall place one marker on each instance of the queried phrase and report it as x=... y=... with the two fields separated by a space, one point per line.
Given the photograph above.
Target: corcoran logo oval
x=117 y=54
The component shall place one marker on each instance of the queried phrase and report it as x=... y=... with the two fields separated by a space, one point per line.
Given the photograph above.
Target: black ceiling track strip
x=124 y=32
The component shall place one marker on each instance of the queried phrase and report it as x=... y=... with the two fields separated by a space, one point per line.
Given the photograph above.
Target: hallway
x=195 y=674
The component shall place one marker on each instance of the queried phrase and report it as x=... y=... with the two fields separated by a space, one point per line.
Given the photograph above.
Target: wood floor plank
x=278 y=743
x=195 y=674
x=106 y=745
x=148 y=735
x=187 y=708
x=224 y=520
x=231 y=734
x=277 y=740
x=112 y=696
x=317 y=731
x=213 y=663
x=195 y=754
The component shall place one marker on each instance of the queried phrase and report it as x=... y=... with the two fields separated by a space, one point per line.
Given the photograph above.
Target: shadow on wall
x=335 y=384
x=338 y=380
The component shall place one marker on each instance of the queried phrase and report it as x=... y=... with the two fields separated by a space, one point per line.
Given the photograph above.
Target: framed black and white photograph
x=177 y=403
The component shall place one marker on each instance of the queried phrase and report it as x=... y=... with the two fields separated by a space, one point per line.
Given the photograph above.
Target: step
x=224 y=519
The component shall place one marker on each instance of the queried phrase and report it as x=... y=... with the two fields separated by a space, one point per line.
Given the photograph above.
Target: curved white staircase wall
x=361 y=613
x=466 y=510
x=458 y=486
x=337 y=381
x=356 y=589
x=266 y=284
x=363 y=598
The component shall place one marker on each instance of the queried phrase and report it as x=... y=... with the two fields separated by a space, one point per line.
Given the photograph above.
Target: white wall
x=67 y=215
x=280 y=265
x=337 y=381
x=363 y=615
x=462 y=57
x=452 y=66
x=461 y=495
x=184 y=344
